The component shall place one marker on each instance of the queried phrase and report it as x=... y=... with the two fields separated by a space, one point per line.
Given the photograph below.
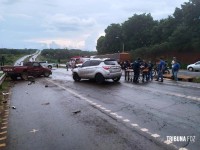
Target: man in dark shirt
x=161 y=67
x=136 y=69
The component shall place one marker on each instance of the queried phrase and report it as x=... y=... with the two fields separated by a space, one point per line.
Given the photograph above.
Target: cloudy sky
x=70 y=24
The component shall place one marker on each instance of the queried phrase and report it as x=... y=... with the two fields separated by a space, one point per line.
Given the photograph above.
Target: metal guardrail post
x=2 y=78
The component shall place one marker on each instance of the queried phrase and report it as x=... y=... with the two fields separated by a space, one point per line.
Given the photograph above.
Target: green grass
x=11 y=58
x=5 y=87
x=197 y=80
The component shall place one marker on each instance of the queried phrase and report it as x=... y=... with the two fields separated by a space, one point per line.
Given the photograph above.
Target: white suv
x=99 y=70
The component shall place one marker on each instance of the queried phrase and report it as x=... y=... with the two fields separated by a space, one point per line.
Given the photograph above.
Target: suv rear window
x=95 y=62
x=110 y=62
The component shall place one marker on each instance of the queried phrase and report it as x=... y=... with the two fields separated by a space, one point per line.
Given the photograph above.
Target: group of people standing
x=140 y=66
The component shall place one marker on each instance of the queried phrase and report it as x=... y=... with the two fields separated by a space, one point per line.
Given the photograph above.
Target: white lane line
x=117 y=116
x=126 y=120
x=144 y=129
x=103 y=108
x=167 y=93
x=120 y=117
x=155 y=135
x=182 y=148
x=3 y=138
x=107 y=110
x=134 y=125
x=4 y=132
x=114 y=114
x=167 y=142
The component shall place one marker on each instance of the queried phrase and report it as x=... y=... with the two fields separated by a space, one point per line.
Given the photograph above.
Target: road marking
x=5 y=116
x=4 y=123
x=126 y=120
x=155 y=135
x=120 y=117
x=2 y=145
x=144 y=129
x=117 y=116
x=5 y=119
x=107 y=110
x=3 y=138
x=134 y=125
x=5 y=127
x=5 y=132
x=114 y=114
x=182 y=149
x=34 y=131
x=167 y=142
x=162 y=92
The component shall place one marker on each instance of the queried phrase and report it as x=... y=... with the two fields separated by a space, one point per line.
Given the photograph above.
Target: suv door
x=83 y=70
x=93 y=68
x=89 y=68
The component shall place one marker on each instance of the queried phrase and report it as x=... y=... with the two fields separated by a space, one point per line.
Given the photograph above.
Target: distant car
x=99 y=70
x=194 y=67
x=46 y=64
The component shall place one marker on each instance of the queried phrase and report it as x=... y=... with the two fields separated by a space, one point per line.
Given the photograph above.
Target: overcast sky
x=70 y=24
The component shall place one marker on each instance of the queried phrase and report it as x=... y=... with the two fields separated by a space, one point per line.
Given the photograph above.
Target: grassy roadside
x=5 y=87
x=197 y=80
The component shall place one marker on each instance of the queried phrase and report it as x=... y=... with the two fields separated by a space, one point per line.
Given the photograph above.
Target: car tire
x=116 y=79
x=13 y=77
x=46 y=74
x=190 y=69
x=24 y=76
x=49 y=66
x=76 y=77
x=99 y=78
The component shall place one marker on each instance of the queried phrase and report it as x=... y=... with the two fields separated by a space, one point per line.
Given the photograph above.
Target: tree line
x=64 y=54
x=143 y=36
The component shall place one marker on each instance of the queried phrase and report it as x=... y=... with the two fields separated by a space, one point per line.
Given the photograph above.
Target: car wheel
x=46 y=74
x=99 y=78
x=116 y=79
x=50 y=67
x=76 y=77
x=13 y=77
x=190 y=69
x=24 y=76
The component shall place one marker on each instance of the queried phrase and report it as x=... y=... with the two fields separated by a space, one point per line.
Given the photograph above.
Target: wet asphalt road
x=68 y=115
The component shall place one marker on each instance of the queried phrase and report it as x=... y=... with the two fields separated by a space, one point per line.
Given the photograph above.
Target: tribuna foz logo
x=181 y=138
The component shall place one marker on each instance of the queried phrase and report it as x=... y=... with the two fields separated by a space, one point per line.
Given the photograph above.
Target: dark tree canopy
x=178 y=32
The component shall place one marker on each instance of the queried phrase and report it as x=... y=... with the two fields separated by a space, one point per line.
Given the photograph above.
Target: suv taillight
x=106 y=67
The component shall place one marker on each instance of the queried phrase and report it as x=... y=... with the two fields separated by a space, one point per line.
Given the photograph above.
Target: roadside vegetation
x=9 y=56
x=62 y=55
x=149 y=39
x=197 y=80
x=4 y=87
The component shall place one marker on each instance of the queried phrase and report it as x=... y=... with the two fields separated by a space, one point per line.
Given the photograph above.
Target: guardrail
x=2 y=78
